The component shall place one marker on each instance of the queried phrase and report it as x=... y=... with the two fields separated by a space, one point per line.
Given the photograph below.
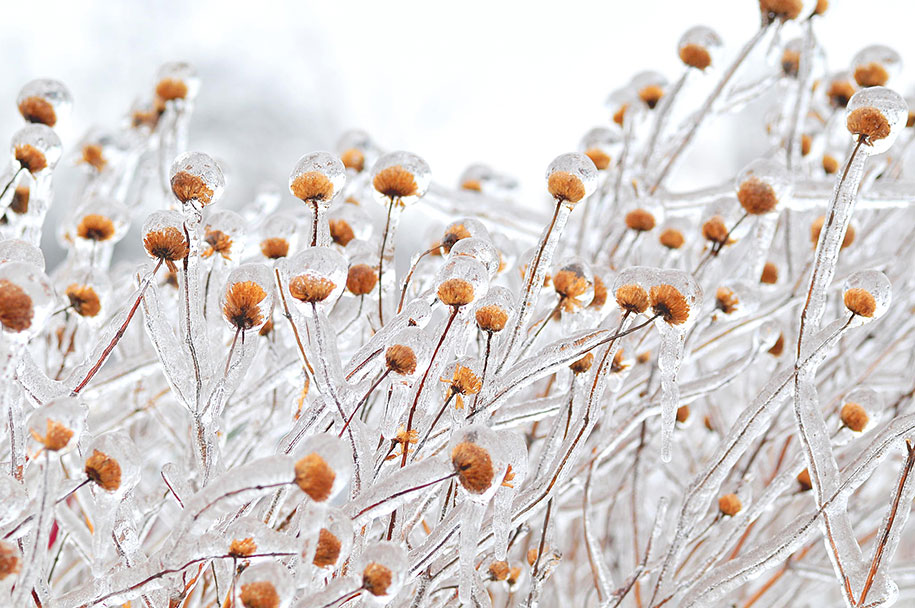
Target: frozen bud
x=361 y=279
x=498 y=570
x=854 y=416
x=10 y=562
x=400 y=359
x=785 y=10
x=16 y=309
x=726 y=300
x=44 y=101
x=462 y=229
x=95 y=227
x=104 y=471
x=571 y=177
x=682 y=414
x=582 y=365
x=600 y=144
x=401 y=177
x=875 y=65
x=259 y=594
x=376 y=578
x=275 y=248
x=317 y=178
x=318 y=275
x=248 y=297
x=83 y=300
x=196 y=179
x=715 y=230
x=573 y=282
x=698 y=47
x=314 y=477
x=803 y=480
x=776 y=349
x=769 y=274
x=640 y=220
x=860 y=302
x=26 y=299
x=491 y=318
x=669 y=303
x=341 y=232
x=791 y=58
x=357 y=150
x=729 y=505
x=840 y=89
x=473 y=466
x=383 y=570
x=224 y=235
x=164 y=238
x=56 y=436
x=761 y=186
x=328 y=549
x=876 y=116
x=462 y=281
x=671 y=238
x=36 y=148
x=242 y=547
x=632 y=298
x=649 y=86
x=176 y=80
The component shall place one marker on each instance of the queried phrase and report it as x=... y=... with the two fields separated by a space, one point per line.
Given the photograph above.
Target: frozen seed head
x=30 y=158
x=376 y=579
x=16 y=309
x=640 y=220
x=570 y=286
x=260 y=594
x=600 y=293
x=473 y=467
x=671 y=238
x=600 y=158
x=266 y=328
x=315 y=477
x=682 y=414
x=95 y=227
x=695 y=56
x=400 y=359
x=455 y=292
x=769 y=274
x=779 y=347
x=781 y=9
x=860 y=302
x=168 y=245
x=803 y=479
x=311 y=289
x=217 y=242
x=36 y=109
x=9 y=560
x=20 y=201
x=472 y=185
x=726 y=300
x=341 y=232
x=868 y=123
x=328 y=550
x=620 y=115
x=189 y=187
x=395 y=182
x=566 y=187
x=806 y=143
x=498 y=571
x=632 y=298
x=817 y=226
x=463 y=382
x=582 y=365
x=790 y=62
x=92 y=156
x=242 y=547
x=651 y=95
x=839 y=92
x=491 y=318
x=104 y=471
x=830 y=164
x=756 y=196
x=275 y=248
x=715 y=230
x=353 y=158
x=56 y=436
x=531 y=556
x=729 y=505
x=822 y=6
x=169 y=89
x=83 y=299
x=668 y=303
x=871 y=74
x=312 y=186
x=454 y=233
x=361 y=279
x=854 y=416
x=242 y=305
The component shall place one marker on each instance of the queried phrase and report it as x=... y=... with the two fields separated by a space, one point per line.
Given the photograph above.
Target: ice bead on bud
x=735 y=299
x=317 y=177
x=317 y=275
x=248 y=297
x=278 y=236
x=867 y=294
x=602 y=145
x=573 y=282
x=44 y=101
x=26 y=300
x=649 y=86
x=571 y=177
x=699 y=47
x=494 y=309
x=483 y=178
x=477 y=457
x=481 y=250
x=408 y=353
x=266 y=584
x=196 y=179
x=875 y=66
x=176 y=81
x=100 y=221
x=112 y=462
x=224 y=235
x=838 y=88
x=86 y=291
x=36 y=149
x=357 y=150
x=761 y=186
x=164 y=238
x=400 y=176
x=461 y=281
x=332 y=541
x=323 y=466
x=462 y=229
x=384 y=568
x=17 y=250
x=57 y=425
x=877 y=116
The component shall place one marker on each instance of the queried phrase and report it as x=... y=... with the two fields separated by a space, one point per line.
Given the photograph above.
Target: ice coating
x=883 y=127
x=197 y=178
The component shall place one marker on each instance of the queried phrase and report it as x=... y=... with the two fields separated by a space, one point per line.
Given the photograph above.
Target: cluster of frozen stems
x=266 y=414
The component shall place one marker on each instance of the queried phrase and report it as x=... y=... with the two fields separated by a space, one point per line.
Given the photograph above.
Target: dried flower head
x=840 y=92
x=243 y=547
x=473 y=185
x=600 y=293
x=341 y=232
x=769 y=274
x=715 y=230
x=462 y=383
x=400 y=359
x=354 y=159
x=806 y=143
x=566 y=187
x=682 y=414
x=822 y=6
x=868 y=123
x=56 y=436
x=36 y=109
x=328 y=550
x=395 y=182
x=312 y=186
x=781 y=9
x=671 y=238
x=168 y=245
x=776 y=349
x=729 y=505
x=695 y=56
x=570 y=285
x=30 y=158
x=455 y=292
x=491 y=318
x=16 y=310
x=95 y=227
x=640 y=220
x=242 y=305
x=620 y=115
x=92 y=156
x=9 y=560
x=376 y=579
x=217 y=242
x=581 y=366
x=315 y=477
x=854 y=416
x=871 y=74
x=756 y=196
x=860 y=302
x=803 y=479
x=188 y=187
x=361 y=279
x=791 y=60
x=817 y=226
x=600 y=158
x=651 y=95
x=726 y=300
x=473 y=467
x=83 y=299
x=104 y=470
x=532 y=554
x=453 y=234
x=168 y=89
x=20 y=201
x=830 y=164
x=266 y=328
x=498 y=570
x=632 y=298
x=275 y=248
x=668 y=303
x=309 y=288
x=259 y=594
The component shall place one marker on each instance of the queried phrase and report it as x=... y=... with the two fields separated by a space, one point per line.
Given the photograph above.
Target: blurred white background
x=511 y=84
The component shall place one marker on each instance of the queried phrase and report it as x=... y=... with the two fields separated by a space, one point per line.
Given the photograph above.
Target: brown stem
x=295 y=330
x=406 y=281
x=384 y=242
x=364 y=399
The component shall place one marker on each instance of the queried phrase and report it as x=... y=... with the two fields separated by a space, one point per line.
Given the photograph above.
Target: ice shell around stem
x=401 y=176
x=571 y=177
x=881 y=128
x=700 y=47
x=21 y=319
x=266 y=584
x=196 y=177
x=244 y=302
x=58 y=424
x=44 y=101
x=877 y=285
x=317 y=177
x=318 y=264
x=32 y=139
x=468 y=271
x=481 y=250
x=17 y=250
x=383 y=568
x=119 y=447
